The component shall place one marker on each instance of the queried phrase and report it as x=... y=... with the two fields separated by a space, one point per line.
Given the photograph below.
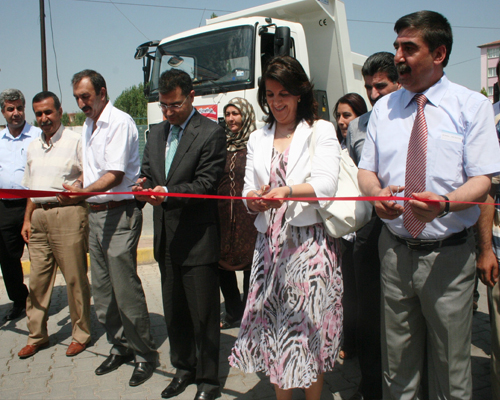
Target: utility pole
x=44 y=50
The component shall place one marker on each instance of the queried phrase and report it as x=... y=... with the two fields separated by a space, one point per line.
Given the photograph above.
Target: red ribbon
x=23 y=194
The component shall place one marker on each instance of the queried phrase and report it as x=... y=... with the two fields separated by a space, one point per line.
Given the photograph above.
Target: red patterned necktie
x=416 y=162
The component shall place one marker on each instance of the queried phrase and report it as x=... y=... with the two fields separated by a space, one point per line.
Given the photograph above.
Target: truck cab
x=225 y=58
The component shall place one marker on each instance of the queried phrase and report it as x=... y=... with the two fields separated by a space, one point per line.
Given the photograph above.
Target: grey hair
x=11 y=95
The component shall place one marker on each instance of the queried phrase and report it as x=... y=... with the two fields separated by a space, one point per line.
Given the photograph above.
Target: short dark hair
x=383 y=61
x=46 y=95
x=11 y=95
x=174 y=78
x=95 y=77
x=356 y=102
x=288 y=72
x=498 y=70
x=435 y=29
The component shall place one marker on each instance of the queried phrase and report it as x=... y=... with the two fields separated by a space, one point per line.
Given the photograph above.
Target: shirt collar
x=53 y=140
x=25 y=132
x=183 y=125
x=104 y=117
x=434 y=94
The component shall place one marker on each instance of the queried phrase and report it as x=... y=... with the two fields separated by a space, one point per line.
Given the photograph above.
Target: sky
x=103 y=35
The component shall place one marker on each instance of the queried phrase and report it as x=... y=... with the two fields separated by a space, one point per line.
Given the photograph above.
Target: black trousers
x=232 y=297
x=191 y=303
x=349 y=299
x=367 y=271
x=11 y=249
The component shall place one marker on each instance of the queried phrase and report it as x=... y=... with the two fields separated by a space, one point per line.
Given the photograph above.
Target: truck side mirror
x=282 y=41
x=146 y=52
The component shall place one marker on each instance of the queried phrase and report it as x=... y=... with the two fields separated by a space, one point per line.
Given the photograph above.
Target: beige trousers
x=59 y=238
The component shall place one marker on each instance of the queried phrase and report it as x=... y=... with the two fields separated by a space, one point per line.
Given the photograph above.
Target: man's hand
x=139 y=188
x=67 y=200
x=151 y=199
x=487 y=263
x=487 y=267
x=26 y=231
x=426 y=211
x=389 y=209
x=156 y=200
x=72 y=199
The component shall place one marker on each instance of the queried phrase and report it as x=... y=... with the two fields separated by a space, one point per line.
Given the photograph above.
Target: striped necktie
x=416 y=163
x=172 y=148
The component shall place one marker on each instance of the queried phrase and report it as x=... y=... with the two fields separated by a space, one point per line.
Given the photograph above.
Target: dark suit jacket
x=189 y=227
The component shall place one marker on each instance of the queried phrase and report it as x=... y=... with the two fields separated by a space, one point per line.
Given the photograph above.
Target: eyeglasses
x=166 y=107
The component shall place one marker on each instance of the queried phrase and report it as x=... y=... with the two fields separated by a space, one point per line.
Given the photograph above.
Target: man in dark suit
x=186 y=154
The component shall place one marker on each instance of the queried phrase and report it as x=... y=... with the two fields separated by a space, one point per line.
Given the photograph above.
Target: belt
x=430 y=245
x=14 y=203
x=95 y=207
x=49 y=206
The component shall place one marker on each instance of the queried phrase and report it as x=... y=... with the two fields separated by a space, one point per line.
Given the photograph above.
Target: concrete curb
x=144 y=256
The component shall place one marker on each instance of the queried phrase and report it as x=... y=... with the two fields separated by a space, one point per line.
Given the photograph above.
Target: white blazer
x=322 y=174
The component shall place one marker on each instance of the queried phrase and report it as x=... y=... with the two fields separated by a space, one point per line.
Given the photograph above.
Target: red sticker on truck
x=209 y=111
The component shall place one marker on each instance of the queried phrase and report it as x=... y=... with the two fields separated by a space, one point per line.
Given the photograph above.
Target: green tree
x=79 y=119
x=65 y=119
x=133 y=102
x=483 y=91
x=214 y=15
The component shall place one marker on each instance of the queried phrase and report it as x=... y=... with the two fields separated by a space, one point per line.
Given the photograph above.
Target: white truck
x=226 y=57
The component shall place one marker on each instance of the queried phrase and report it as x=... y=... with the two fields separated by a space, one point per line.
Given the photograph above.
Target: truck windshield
x=218 y=62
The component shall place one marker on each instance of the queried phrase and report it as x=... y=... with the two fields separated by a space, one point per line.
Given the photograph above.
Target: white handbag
x=343 y=217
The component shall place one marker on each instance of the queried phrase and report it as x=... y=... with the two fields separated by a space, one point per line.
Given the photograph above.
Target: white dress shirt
x=113 y=146
x=461 y=143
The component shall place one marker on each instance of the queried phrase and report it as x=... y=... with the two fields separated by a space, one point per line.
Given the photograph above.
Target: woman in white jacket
x=293 y=319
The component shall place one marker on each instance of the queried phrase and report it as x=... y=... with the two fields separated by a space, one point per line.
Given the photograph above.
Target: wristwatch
x=446 y=207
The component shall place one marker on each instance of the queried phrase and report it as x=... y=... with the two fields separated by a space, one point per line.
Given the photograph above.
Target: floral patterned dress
x=292 y=324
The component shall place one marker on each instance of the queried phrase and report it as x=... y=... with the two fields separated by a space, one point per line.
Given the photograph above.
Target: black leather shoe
x=15 y=312
x=176 y=387
x=112 y=362
x=205 y=396
x=142 y=372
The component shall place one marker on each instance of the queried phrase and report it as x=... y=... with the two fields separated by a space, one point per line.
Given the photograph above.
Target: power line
x=153 y=5
x=111 y=1
x=201 y=19
x=461 y=62
x=230 y=11
x=453 y=26
x=55 y=54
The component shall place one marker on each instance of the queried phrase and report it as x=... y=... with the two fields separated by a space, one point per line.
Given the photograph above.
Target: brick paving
x=51 y=375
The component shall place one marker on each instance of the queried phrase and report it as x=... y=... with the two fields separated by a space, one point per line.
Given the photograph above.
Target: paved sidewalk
x=51 y=375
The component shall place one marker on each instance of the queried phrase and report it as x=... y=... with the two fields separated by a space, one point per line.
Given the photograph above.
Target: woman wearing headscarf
x=238 y=232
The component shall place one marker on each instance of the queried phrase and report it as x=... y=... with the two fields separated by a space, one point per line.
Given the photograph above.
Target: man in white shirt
x=56 y=231
x=14 y=142
x=444 y=148
x=111 y=164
